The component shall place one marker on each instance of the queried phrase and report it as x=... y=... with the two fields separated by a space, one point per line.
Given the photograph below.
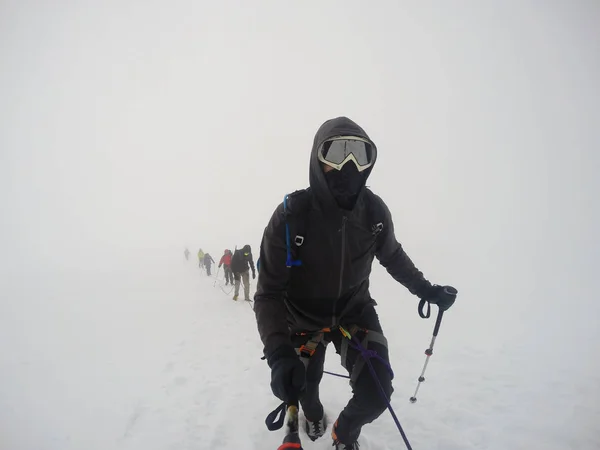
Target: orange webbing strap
x=310 y=347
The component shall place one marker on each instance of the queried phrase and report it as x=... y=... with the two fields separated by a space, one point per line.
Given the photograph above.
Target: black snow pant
x=207 y=269
x=366 y=404
x=228 y=275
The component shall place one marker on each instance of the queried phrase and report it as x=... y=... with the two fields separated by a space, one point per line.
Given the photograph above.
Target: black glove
x=253 y=275
x=288 y=375
x=443 y=296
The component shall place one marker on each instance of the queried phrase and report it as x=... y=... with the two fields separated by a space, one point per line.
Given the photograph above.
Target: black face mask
x=345 y=185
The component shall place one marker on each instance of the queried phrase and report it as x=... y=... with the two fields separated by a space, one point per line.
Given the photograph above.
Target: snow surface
x=159 y=357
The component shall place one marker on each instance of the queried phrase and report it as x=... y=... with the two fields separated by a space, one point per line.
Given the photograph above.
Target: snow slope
x=158 y=358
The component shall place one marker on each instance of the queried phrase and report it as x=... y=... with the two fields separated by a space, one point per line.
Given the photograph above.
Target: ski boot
x=338 y=445
x=315 y=430
x=235 y=297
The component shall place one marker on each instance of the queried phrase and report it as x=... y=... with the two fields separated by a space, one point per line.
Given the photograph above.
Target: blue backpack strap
x=289 y=262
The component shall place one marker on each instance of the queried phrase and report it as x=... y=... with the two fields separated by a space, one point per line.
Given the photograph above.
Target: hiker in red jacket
x=226 y=263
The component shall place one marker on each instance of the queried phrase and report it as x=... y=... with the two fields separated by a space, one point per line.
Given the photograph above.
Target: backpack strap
x=295 y=210
x=298 y=240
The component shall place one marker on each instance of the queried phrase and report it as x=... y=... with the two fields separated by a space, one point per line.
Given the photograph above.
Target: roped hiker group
x=236 y=265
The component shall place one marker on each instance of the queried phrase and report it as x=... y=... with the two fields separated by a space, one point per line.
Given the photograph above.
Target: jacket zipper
x=344 y=219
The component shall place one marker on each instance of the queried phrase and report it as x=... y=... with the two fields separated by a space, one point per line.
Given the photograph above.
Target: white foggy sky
x=130 y=128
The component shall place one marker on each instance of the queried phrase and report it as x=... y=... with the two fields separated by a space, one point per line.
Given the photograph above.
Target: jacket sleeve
x=251 y=262
x=221 y=260
x=269 y=306
x=392 y=256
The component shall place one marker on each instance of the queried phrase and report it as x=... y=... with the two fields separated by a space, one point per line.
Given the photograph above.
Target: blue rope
x=367 y=355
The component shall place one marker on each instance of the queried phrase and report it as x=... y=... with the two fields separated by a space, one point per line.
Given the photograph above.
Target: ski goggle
x=338 y=151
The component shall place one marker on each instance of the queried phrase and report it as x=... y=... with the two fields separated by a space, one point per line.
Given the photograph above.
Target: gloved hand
x=443 y=296
x=253 y=275
x=288 y=375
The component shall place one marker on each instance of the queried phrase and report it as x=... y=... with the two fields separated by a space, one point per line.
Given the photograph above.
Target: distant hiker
x=313 y=286
x=187 y=254
x=201 y=259
x=208 y=261
x=226 y=263
x=239 y=266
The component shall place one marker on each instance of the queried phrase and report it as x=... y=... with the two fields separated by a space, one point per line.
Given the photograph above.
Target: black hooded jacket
x=208 y=260
x=331 y=287
x=241 y=259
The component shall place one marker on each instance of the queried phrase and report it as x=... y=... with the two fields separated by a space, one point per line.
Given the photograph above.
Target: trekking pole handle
x=449 y=290
x=438 y=323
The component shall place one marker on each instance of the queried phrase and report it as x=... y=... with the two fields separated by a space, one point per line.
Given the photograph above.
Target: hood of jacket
x=340 y=126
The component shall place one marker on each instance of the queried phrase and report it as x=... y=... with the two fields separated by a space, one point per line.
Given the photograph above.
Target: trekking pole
x=287 y=412
x=451 y=291
x=292 y=434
